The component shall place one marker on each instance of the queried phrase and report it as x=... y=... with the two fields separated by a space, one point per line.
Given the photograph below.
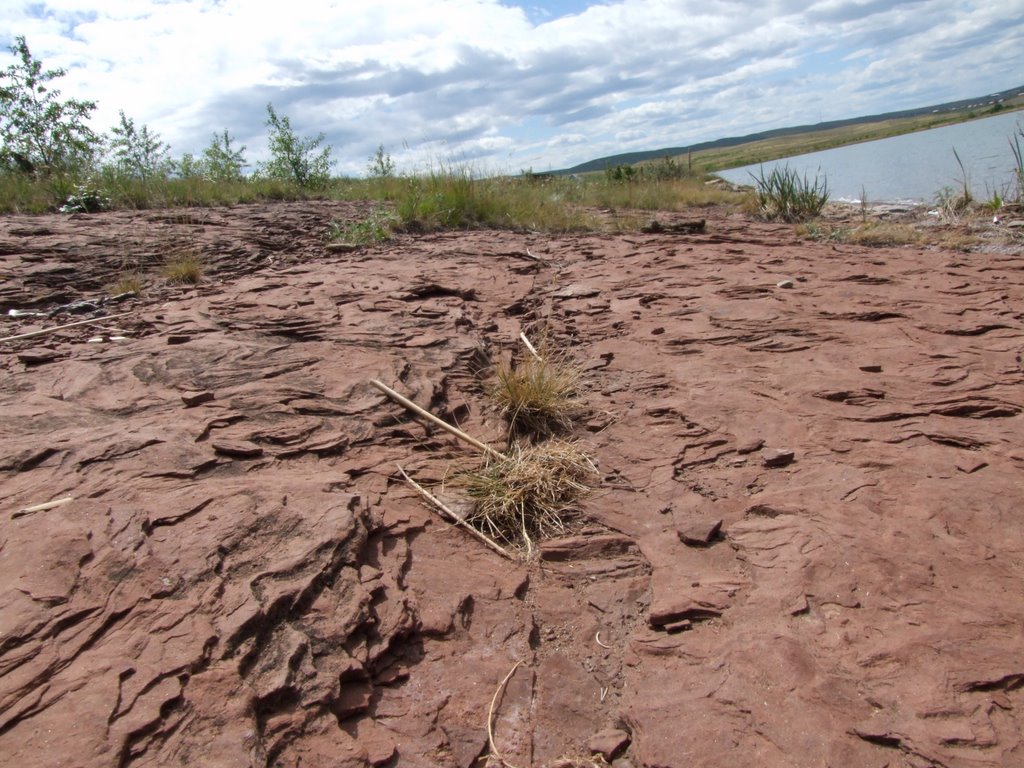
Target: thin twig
x=597 y=639
x=490 y=718
x=43 y=331
x=455 y=518
x=43 y=507
x=529 y=346
x=410 y=405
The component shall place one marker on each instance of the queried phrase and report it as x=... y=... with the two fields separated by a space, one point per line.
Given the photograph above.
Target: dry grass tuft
x=539 y=395
x=183 y=269
x=959 y=241
x=884 y=233
x=128 y=282
x=531 y=494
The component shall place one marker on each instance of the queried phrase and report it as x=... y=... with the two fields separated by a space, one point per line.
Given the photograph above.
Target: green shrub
x=85 y=199
x=301 y=161
x=40 y=133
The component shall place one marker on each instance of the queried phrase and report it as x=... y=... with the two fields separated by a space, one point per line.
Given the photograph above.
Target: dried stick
x=434 y=420
x=453 y=516
x=529 y=346
x=490 y=718
x=30 y=334
x=43 y=507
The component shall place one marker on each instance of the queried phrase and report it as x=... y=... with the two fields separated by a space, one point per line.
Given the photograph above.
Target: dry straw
x=533 y=493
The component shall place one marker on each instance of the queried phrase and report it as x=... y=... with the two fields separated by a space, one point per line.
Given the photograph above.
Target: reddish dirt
x=242 y=579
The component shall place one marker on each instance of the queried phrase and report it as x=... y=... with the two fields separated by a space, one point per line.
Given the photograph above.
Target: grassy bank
x=722 y=158
x=452 y=197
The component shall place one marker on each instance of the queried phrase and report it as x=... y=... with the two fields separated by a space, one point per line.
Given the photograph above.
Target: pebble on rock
x=700 y=532
x=237 y=450
x=777 y=457
x=192 y=399
x=609 y=743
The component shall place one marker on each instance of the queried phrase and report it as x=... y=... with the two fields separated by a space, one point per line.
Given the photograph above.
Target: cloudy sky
x=507 y=86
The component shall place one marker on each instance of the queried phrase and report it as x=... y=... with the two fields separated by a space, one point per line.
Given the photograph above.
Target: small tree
x=293 y=158
x=188 y=167
x=137 y=152
x=40 y=132
x=380 y=165
x=221 y=161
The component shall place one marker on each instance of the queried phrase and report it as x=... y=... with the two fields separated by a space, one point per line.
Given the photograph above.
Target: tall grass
x=787 y=196
x=659 y=195
x=444 y=197
x=453 y=198
x=1018 y=160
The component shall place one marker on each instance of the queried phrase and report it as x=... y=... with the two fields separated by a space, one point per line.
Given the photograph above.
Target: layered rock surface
x=806 y=549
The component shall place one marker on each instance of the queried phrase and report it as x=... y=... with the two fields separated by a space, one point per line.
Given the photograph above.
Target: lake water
x=913 y=167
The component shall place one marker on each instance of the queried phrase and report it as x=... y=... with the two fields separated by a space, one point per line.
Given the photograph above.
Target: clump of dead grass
x=533 y=492
x=127 y=282
x=885 y=233
x=183 y=269
x=539 y=392
x=957 y=240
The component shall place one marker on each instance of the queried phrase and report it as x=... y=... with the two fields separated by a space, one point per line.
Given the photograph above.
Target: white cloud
x=492 y=81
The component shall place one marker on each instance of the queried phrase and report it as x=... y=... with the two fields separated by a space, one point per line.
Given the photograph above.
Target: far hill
x=811 y=138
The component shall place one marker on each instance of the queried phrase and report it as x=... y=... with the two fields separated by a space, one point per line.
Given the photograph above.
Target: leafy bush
x=787 y=196
x=138 y=153
x=621 y=174
x=40 y=133
x=221 y=161
x=295 y=159
x=380 y=165
x=86 y=199
x=666 y=169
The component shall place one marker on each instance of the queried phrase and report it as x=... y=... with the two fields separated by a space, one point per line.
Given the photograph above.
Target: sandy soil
x=806 y=547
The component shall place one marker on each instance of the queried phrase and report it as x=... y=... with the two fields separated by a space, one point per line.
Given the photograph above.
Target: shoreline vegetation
x=51 y=160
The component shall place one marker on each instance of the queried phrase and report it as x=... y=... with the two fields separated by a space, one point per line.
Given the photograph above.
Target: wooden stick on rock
x=410 y=405
x=455 y=518
x=43 y=331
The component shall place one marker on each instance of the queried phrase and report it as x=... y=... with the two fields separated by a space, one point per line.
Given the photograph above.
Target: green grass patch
x=453 y=198
x=785 y=195
x=376 y=228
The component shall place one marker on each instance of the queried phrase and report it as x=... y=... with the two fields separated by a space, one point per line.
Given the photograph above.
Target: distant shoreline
x=735 y=152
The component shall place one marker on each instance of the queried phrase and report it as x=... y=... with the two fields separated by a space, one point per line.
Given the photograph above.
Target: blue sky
x=507 y=86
